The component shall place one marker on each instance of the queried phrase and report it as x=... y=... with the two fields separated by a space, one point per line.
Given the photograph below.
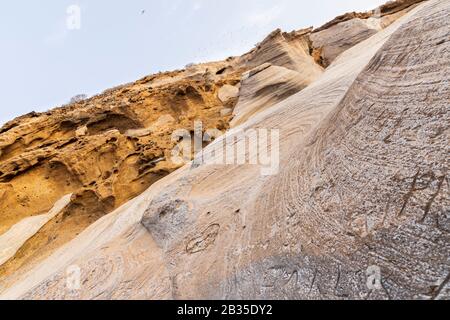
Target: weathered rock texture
x=108 y=149
x=363 y=179
x=105 y=150
x=264 y=87
x=19 y=234
x=342 y=33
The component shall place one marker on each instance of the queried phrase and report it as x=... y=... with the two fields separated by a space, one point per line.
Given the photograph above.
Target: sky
x=54 y=50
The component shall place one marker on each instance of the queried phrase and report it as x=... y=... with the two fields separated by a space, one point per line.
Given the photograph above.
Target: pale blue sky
x=43 y=64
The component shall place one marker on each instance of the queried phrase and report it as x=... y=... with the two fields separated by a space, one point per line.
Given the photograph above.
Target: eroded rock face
x=345 y=31
x=228 y=93
x=362 y=189
x=289 y=50
x=108 y=149
x=105 y=150
x=340 y=37
x=264 y=87
x=363 y=184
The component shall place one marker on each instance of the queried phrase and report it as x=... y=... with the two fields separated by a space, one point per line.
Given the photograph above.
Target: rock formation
x=362 y=186
x=342 y=33
x=265 y=86
x=104 y=151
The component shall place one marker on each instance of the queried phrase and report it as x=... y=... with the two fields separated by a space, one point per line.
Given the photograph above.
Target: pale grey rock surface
x=227 y=92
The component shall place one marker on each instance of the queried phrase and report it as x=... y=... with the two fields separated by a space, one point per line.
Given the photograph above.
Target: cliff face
x=363 y=181
x=108 y=149
x=104 y=151
x=345 y=31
